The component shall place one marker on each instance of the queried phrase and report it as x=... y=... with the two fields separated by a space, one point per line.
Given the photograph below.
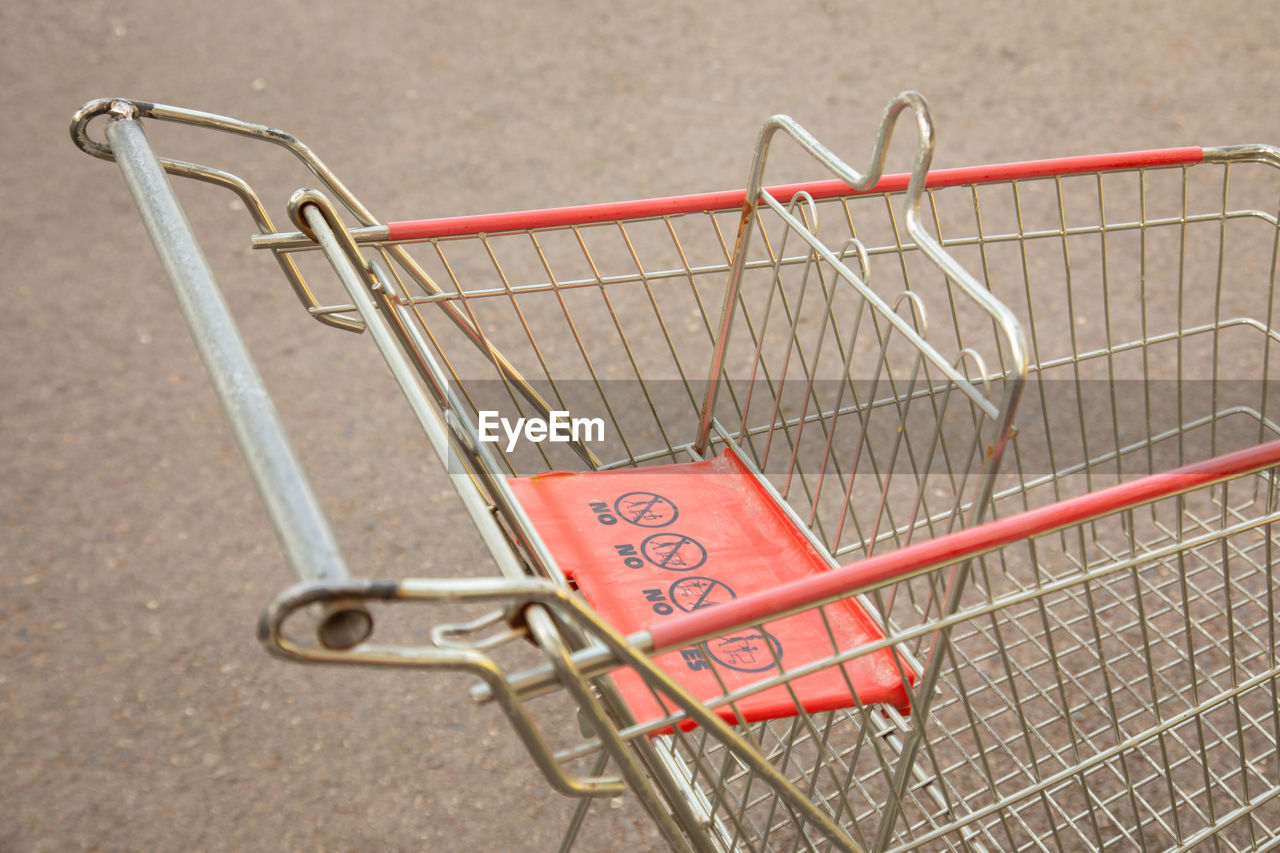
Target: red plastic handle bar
x=806 y=592
x=561 y=217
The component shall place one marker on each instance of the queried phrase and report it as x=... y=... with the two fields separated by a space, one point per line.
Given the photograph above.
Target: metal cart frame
x=988 y=578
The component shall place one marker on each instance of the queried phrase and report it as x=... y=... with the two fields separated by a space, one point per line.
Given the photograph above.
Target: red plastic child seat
x=650 y=544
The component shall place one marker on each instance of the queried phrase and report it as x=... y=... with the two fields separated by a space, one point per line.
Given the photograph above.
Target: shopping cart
x=748 y=466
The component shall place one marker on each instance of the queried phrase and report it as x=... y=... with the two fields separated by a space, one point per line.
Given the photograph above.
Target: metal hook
x=855 y=245
x=450 y=635
x=982 y=366
x=809 y=210
x=917 y=306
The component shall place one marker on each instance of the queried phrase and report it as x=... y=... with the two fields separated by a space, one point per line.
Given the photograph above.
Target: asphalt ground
x=137 y=709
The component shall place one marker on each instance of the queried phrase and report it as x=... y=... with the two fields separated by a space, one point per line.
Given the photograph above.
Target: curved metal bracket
x=135 y=109
x=519 y=596
x=124 y=108
x=453 y=657
x=1019 y=356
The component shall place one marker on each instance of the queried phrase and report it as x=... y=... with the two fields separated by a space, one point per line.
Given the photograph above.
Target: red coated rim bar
x=971 y=542
x=562 y=217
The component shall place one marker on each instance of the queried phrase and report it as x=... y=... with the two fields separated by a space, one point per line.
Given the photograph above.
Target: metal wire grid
x=1113 y=265
x=612 y=335
x=1068 y=455
x=622 y=329
x=1077 y=683
x=1150 y=310
x=1110 y=686
x=1104 y=437
x=1081 y=439
x=1219 y=413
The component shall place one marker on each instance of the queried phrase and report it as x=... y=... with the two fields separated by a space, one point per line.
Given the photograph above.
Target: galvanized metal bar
x=314 y=209
x=309 y=543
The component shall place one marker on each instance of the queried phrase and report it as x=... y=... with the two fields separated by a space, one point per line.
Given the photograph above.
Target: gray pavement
x=137 y=709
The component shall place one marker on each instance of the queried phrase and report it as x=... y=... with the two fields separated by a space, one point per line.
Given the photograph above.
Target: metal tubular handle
x=304 y=532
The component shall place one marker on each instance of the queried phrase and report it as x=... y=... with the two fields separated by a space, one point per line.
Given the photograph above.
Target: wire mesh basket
x=1026 y=406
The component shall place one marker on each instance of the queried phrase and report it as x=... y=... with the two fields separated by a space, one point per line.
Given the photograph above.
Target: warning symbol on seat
x=690 y=594
x=673 y=551
x=646 y=509
x=748 y=650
